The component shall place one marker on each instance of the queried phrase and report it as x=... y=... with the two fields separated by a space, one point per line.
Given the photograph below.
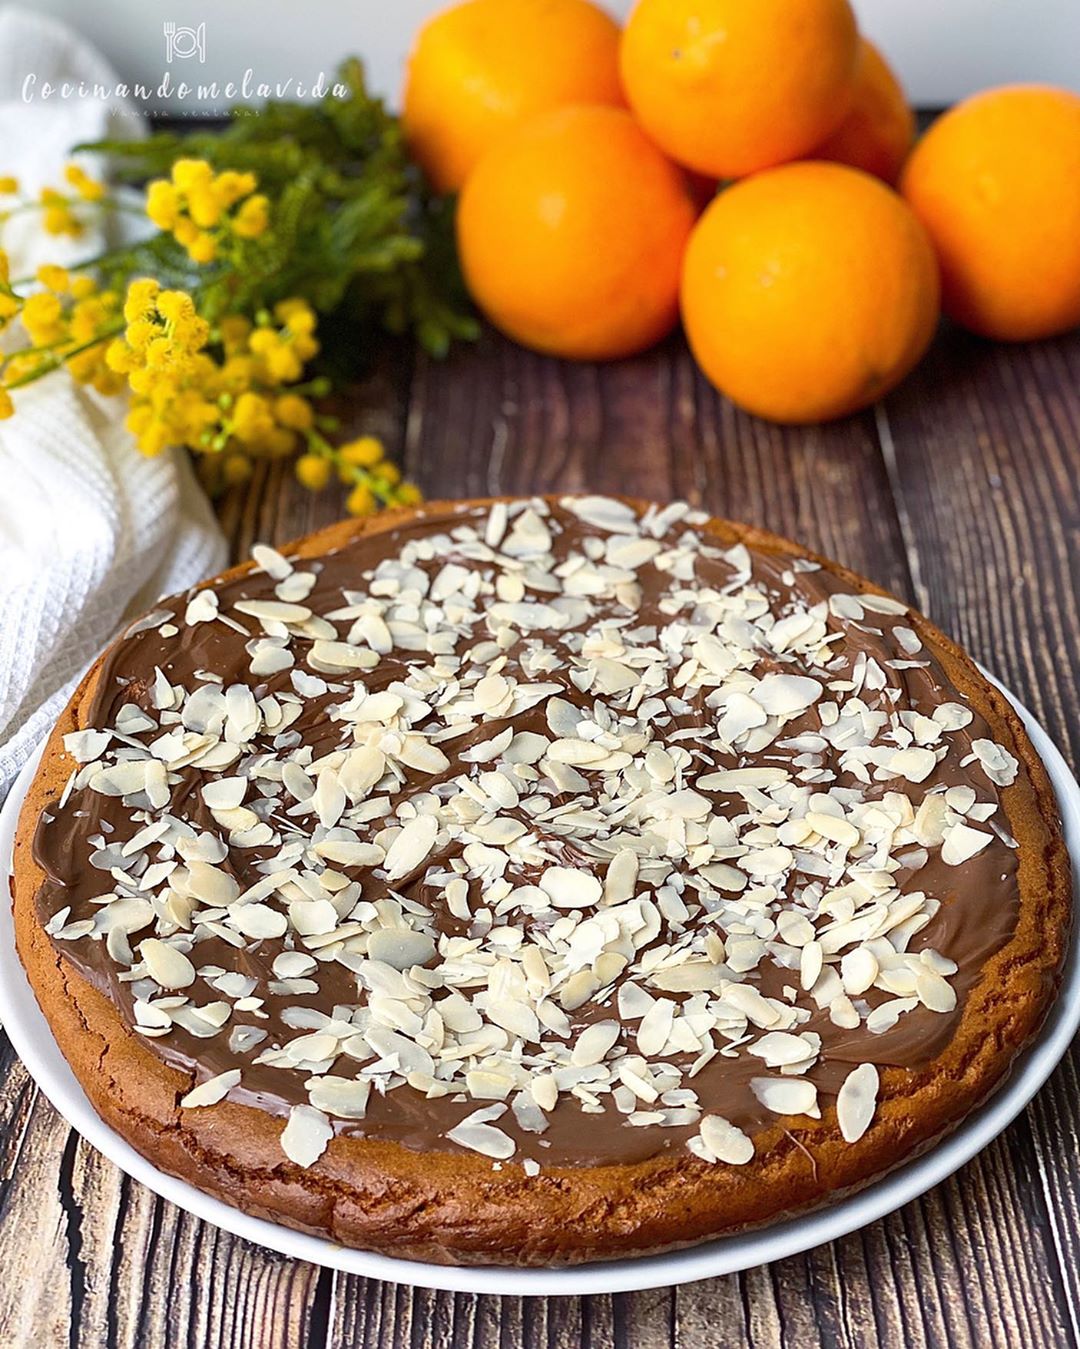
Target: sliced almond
x=620 y=879
x=305 y=1136
x=962 y=843
x=785 y=1095
x=594 y=1042
x=571 y=889
x=725 y=1142
x=858 y=969
x=411 y=847
x=166 y=965
x=345 y=1097
x=856 y=1102
x=212 y=1090
x=401 y=948
x=483 y=1138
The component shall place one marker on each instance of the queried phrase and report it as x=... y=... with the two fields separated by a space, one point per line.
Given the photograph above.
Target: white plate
x=32 y=1039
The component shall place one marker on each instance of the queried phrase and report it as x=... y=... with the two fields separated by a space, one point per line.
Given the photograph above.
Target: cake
x=538 y=881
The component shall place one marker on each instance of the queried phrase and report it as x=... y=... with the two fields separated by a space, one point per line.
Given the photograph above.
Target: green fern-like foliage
x=355 y=229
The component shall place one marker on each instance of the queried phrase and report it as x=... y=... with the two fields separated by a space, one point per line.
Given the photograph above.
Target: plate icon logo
x=184 y=41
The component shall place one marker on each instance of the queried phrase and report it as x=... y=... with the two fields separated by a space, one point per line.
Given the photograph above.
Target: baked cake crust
x=455 y=1208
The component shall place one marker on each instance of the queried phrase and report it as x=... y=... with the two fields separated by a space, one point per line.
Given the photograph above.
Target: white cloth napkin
x=91 y=531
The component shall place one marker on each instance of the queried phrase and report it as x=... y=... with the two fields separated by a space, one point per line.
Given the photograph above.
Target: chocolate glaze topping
x=103 y=849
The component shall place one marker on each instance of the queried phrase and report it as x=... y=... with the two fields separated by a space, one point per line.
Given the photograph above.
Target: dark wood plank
x=35 y=1278
x=983 y=445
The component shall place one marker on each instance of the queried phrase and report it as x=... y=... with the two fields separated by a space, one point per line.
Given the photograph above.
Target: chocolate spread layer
x=80 y=845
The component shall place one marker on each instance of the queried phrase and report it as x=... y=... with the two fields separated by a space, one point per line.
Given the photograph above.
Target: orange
x=728 y=87
x=877 y=133
x=571 y=233
x=479 y=69
x=808 y=291
x=996 y=182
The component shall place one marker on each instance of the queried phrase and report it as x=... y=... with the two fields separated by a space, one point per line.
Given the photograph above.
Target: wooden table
x=962 y=492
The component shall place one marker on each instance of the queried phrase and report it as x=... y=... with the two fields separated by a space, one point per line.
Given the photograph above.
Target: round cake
x=537 y=881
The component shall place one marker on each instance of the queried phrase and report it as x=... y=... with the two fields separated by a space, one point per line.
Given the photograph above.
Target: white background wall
x=942 y=48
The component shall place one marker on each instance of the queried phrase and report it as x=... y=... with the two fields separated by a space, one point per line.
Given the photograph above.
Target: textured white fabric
x=91 y=531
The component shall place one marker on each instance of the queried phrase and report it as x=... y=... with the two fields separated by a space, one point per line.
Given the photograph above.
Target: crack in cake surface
x=558 y=833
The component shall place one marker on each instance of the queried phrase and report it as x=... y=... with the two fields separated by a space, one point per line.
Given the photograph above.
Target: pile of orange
x=750 y=167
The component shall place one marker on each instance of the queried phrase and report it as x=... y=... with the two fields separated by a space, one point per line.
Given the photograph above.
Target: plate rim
x=32 y=1040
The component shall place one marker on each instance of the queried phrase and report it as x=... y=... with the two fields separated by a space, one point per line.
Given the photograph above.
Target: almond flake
x=785 y=1095
x=834 y=828
x=273 y=611
x=211 y=1091
x=166 y=965
x=655 y=1028
x=258 y=921
x=305 y=1136
x=914 y=764
x=997 y=763
x=780 y=1049
x=411 y=847
x=887 y=1014
x=858 y=969
x=725 y=1142
x=952 y=716
x=86 y=746
x=201 y=608
x=477 y=1135
x=271 y=561
x=330 y=656
x=856 y=1102
x=934 y=992
x=810 y=964
x=767 y=861
x=784 y=695
x=344 y=1097
x=593 y=1043
x=962 y=843
x=570 y=889
x=401 y=948
x=224 y=793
